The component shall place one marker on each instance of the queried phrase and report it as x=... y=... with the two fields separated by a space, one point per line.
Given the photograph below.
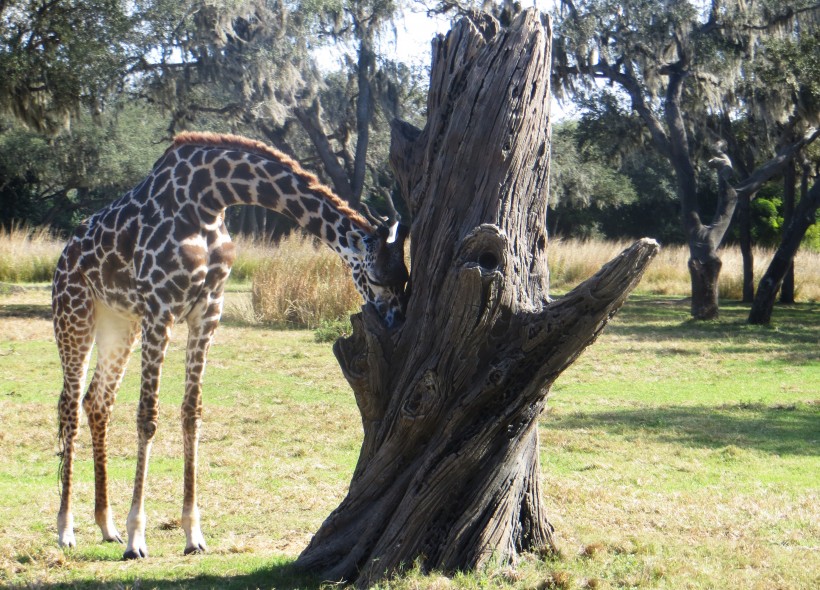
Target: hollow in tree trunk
x=448 y=473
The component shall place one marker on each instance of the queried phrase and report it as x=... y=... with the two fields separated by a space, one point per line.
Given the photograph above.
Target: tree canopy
x=60 y=56
x=83 y=83
x=691 y=72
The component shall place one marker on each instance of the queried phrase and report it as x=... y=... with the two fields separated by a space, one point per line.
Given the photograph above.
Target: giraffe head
x=379 y=271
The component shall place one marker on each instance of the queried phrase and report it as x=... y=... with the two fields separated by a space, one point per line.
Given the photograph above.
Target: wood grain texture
x=448 y=473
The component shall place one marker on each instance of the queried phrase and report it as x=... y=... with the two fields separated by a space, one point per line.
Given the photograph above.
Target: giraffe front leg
x=194 y=541
x=201 y=327
x=135 y=525
x=154 y=344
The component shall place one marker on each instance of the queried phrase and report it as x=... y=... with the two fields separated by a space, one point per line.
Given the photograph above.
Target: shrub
x=302 y=285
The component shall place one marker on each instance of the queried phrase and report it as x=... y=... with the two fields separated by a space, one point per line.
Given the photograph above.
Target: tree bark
x=311 y=120
x=704 y=262
x=804 y=216
x=744 y=210
x=448 y=473
x=789 y=180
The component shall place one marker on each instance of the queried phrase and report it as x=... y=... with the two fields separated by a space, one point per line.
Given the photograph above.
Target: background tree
x=648 y=204
x=805 y=215
x=582 y=186
x=59 y=56
x=781 y=81
x=56 y=181
x=678 y=66
x=237 y=66
x=251 y=63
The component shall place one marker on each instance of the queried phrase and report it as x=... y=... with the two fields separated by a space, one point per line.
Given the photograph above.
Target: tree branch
x=364 y=112
x=727 y=195
x=569 y=324
x=629 y=82
x=311 y=122
x=775 y=165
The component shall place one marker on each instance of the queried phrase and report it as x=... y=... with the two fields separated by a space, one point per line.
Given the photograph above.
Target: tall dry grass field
x=302 y=284
x=571 y=261
x=28 y=255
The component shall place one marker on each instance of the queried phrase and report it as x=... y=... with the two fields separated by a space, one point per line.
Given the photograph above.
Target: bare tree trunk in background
x=804 y=216
x=366 y=66
x=789 y=180
x=744 y=211
x=449 y=473
x=249 y=229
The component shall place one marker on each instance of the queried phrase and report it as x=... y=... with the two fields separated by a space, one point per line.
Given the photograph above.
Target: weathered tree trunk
x=804 y=216
x=448 y=473
x=704 y=262
x=704 y=271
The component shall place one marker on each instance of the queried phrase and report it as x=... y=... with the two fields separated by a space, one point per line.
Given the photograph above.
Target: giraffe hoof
x=196 y=549
x=114 y=539
x=135 y=554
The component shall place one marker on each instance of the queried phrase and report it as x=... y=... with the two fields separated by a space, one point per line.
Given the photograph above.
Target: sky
x=411 y=43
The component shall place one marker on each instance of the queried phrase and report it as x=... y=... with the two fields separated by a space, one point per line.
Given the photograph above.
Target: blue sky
x=411 y=43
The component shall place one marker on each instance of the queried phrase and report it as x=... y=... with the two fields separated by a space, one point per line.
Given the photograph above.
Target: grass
x=322 y=293
x=571 y=261
x=675 y=454
x=28 y=255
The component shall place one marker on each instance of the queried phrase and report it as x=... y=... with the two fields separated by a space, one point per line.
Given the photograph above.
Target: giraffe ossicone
x=160 y=255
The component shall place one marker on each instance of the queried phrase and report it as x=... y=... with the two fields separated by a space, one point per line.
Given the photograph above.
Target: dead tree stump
x=449 y=473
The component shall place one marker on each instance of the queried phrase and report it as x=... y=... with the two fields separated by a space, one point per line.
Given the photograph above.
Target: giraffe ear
x=355 y=242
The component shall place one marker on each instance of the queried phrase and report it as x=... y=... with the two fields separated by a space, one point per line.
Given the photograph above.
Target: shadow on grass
x=653 y=317
x=26 y=311
x=782 y=430
x=281 y=576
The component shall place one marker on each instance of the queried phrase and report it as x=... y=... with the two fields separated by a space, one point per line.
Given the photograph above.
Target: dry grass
x=28 y=255
x=299 y=284
x=302 y=285
x=571 y=261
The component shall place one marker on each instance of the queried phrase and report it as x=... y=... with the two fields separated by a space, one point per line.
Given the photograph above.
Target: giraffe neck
x=221 y=171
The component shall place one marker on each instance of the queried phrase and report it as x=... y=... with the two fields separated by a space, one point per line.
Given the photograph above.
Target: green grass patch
x=675 y=454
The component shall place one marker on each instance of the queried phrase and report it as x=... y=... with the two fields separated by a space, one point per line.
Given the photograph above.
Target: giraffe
x=161 y=254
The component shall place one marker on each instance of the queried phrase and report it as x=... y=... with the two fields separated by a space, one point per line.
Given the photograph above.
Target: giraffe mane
x=257 y=147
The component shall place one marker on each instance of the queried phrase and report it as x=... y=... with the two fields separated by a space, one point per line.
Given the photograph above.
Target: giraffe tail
x=61 y=438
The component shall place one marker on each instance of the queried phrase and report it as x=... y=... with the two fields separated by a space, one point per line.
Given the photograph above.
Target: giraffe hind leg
x=74 y=332
x=115 y=339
